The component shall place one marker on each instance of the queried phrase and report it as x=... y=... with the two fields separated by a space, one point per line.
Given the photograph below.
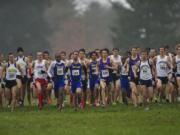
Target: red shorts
x=41 y=81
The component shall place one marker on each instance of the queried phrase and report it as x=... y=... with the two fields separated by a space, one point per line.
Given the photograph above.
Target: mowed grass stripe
x=114 y=120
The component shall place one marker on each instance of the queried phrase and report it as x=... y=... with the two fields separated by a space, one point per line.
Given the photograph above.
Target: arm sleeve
x=50 y=70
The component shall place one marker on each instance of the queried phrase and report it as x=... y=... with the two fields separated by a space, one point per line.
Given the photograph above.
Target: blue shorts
x=107 y=80
x=75 y=85
x=59 y=84
x=93 y=83
x=125 y=86
x=124 y=81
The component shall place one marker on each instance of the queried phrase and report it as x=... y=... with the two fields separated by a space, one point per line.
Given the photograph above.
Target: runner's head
x=75 y=55
x=162 y=51
x=144 y=54
x=71 y=56
x=134 y=51
x=20 y=51
x=98 y=52
x=63 y=55
x=152 y=53
x=93 y=55
x=115 y=51
x=30 y=57
x=46 y=55
x=104 y=53
x=166 y=48
x=11 y=57
x=40 y=56
x=82 y=53
x=178 y=49
x=58 y=57
x=138 y=49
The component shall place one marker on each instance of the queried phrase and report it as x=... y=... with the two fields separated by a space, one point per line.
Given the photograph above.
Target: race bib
x=94 y=70
x=60 y=71
x=105 y=73
x=12 y=73
x=12 y=76
x=163 y=67
x=144 y=70
x=75 y=72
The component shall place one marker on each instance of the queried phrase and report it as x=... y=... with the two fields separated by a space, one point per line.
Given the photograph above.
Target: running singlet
x=93 y=70
x=145 y=70
x=117 y=60
x=11 y=72
x=23 y=65
x=40 y=70
x=75 y=71
x=132 y=63
x=105 y=73
x=161 y=66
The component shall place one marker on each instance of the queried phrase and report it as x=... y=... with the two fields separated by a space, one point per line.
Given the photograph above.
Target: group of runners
x=97 y=78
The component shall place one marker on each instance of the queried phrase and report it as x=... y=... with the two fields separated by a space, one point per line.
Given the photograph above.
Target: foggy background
x=57 y=25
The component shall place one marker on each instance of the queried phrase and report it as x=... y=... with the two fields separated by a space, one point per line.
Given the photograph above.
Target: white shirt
x=162 y=66
x=60 y=70
x=11 y=72
x=145 y=70
x=38 y=68
x=116 y=60
x=23 y=65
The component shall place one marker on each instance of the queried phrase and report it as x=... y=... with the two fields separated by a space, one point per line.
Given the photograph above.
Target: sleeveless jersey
x=11 y=72
x=145 y=72
x=23 y=65
x=117 y=60
x=132 y=63
x=93 y=70
x=40 y=69
x=161 y=66
x=105 y=73
x=75 y=71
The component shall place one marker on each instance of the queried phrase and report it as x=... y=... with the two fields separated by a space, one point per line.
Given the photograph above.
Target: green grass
x=114 y=120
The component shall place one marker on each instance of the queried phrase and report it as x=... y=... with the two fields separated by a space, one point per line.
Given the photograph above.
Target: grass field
x=115 y=120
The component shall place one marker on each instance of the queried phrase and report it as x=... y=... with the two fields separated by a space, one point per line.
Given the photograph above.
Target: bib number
x=60 y=71
x=162 y=67
x=144 y=70
x=105 y=73
x=75 y=73
x=12 y=76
